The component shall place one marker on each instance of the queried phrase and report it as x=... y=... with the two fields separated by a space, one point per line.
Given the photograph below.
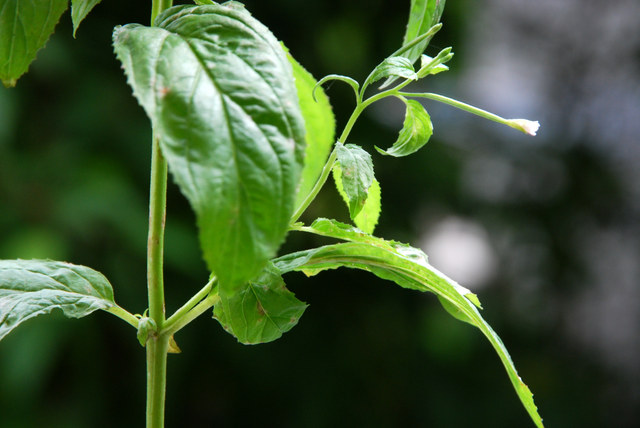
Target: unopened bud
x=527 y=126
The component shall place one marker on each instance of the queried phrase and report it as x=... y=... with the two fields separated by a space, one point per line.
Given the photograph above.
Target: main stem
x=158 y=344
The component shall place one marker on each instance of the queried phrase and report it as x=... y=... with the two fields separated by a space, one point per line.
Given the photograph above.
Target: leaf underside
x=415 y=133
x=407 y=267
x=25 y=27
x=220 y=93
x=29 y=288
x=422 y=16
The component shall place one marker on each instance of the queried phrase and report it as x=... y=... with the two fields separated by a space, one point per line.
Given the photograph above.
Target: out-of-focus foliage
x=74 y=159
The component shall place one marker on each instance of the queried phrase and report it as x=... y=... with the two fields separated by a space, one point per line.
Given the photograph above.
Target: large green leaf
x=29 y=288
x=320 y=125
x=25 y=27
x=409 y=268
x=220 y=93
x=262 y=311
x=79 y=10
x=423 y=15
x=415 y=133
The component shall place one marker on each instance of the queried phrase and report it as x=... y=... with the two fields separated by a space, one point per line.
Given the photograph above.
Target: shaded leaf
x=415 y=133
x=220 y=93
x=79 y=10
x=353 y=174
x=262 y=311
x=320 y=125
x=409 y=268
x=29 y=288
x=25 y=27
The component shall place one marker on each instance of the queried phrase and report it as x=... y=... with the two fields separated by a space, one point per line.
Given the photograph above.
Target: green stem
x=193 y=313
x=157 y=347
x=179 y=316
x=123 y=315
x=457 y=104
x=157 y=7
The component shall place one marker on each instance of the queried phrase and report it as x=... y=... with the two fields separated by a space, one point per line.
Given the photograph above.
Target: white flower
x=527 y=126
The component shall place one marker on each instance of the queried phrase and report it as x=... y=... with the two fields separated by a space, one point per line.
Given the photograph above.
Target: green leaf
x=29 y=288
x=367 y=219
x=355 y=175
x=394 y=66
x=25 y=27
x=415 y=133
x=79 y=10
x=262 y=311
x=348 y=80
x=435 y=65
x=409 y=268
x=423 y=15
x=220 y=93
x=320 y=125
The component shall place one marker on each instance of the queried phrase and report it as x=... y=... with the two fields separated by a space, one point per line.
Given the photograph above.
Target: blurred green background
x=544 y=229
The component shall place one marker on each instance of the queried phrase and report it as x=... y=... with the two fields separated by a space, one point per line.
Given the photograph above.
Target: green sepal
x=29 y=288
x=415 y=133
x=262 y=311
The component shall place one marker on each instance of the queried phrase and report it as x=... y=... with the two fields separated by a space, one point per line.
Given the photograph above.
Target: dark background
x=544 y=229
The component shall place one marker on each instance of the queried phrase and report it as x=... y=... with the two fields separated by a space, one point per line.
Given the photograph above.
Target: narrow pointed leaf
x=262 y=311
x=220 y=93
x=423 y=15
x=415 y=133
x=320 y=125
x=367 y=219
x=25 y=27
x=409 y=268
x=354 y=175
x=79 y=11
x=29 y=288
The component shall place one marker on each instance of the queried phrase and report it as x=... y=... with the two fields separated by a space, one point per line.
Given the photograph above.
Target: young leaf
x=409 y=268
x=25 y=27
x=320 y=125
x=262 y=311
x=355 y=175
x=423 y=15
x=367 y=219
x=29 y=288
x=415 y=133
x=79 y=10
x=220 y=93
x=395 y=66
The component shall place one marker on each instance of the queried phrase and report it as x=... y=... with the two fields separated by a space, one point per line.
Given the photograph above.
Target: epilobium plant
x=248 y=136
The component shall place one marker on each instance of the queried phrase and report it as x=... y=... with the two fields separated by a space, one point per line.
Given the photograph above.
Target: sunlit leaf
x=409 y=268
x=79 y=10
x=25 y=27
x=220 y=93
x=367 y=219
x=320 y=125
x=396 y=66
x=415 y=133
x=353 y=175
x=29 y=288
x=262 y=311
x=423 y=15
